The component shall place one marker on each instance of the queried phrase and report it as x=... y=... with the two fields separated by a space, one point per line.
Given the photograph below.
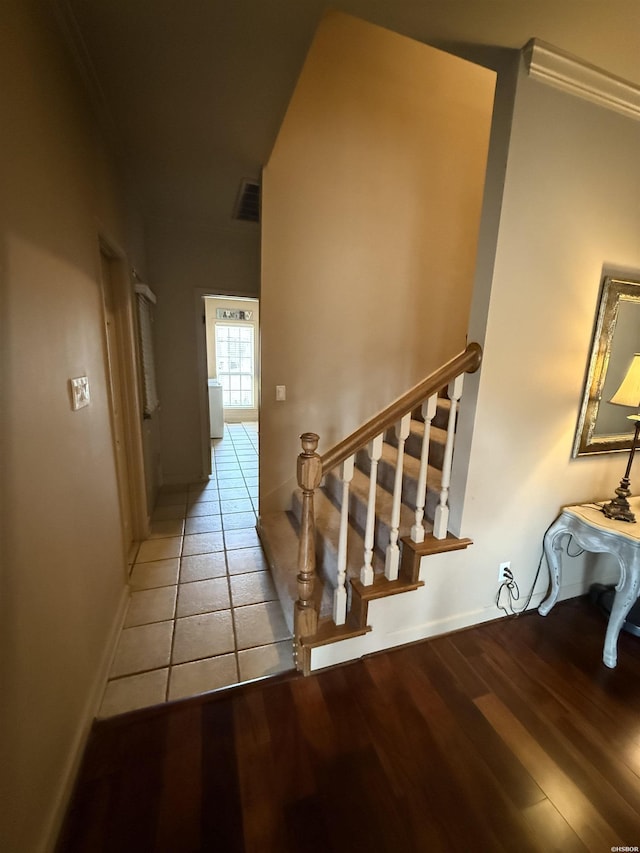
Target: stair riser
x=413 y=447
x=358 y=514
x=387 y=479
x=326 y=558
x=326 y=552
x=441 y=418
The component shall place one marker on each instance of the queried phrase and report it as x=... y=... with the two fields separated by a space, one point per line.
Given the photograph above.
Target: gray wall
x=570 y=210
x=185 y=263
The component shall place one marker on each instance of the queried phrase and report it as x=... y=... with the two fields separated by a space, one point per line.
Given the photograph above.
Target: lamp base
x=619 y=509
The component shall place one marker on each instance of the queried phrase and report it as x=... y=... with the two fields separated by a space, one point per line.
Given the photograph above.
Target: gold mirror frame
x=610 y=357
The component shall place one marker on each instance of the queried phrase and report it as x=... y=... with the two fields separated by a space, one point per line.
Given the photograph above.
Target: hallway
x=203 y=612
x=507 y=736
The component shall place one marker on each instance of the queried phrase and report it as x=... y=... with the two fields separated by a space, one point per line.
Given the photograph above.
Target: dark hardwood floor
x=510 y=736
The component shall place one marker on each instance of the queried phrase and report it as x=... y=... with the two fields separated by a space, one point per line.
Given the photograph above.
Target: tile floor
x=204 y=612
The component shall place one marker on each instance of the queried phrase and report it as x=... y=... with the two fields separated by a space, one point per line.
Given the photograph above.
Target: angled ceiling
x=193 y=92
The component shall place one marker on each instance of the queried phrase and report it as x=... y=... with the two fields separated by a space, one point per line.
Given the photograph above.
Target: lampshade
x=628 y=394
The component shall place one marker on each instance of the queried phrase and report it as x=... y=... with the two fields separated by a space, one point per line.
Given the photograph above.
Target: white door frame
x=127 y=338
x=203 y=385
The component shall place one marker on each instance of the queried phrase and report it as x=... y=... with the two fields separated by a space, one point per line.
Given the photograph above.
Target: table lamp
x=628 y=394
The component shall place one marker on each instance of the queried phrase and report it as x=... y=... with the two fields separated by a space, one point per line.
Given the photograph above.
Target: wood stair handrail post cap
x=309 y=443
x=309 y=463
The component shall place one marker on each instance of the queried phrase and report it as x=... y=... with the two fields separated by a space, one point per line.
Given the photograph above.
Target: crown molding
x=74 y=40
x=564 y=71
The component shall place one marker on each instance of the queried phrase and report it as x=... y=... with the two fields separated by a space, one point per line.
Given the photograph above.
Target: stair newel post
x=375 y=452
x=309 y=477
x=441 y=517
x=429 y=408
x=392 y=561
x=340 y=594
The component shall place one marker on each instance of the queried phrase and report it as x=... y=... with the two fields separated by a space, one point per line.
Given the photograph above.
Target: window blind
x=146 y=299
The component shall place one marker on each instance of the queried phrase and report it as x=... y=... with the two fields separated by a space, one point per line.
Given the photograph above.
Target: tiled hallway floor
x=204 y=612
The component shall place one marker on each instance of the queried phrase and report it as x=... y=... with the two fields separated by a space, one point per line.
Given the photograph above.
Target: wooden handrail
x=466 y=362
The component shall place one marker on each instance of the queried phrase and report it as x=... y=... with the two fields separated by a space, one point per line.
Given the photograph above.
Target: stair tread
x=415 y=439
x=279 y=537
x=384 y=501
x=436 y=433
x=327 y=517
x=411 y=466
x=280 y=544
x=442 y=410
x=329 y=632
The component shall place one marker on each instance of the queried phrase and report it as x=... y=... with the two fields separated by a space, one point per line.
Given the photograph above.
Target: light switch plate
x=80 y=396
x=281 y=393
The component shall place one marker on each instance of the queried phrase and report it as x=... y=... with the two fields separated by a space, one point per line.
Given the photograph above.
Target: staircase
x=357 y=530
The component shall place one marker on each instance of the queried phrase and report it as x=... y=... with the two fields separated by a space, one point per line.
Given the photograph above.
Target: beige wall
x=371 y=203
x=185 y=264
x=63 y=571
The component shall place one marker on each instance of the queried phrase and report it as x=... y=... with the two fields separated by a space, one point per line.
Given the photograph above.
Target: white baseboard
x=68 y=777
x=376 y=641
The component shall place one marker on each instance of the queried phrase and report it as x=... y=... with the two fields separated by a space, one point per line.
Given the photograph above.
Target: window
x=234 y=365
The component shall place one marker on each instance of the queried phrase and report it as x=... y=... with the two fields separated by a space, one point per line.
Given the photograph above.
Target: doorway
x=229 y=368
x=232 y=355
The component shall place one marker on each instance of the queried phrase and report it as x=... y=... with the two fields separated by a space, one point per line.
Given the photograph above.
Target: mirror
x=603 y=428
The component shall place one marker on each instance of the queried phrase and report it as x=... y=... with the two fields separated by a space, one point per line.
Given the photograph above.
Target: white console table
x=596 y=533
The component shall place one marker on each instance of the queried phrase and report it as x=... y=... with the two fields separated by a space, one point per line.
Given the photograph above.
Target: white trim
x=203 y=388
x=553 y=66
x=64 y=789
x=145 y=290
x=128 y=335
x=81 y=55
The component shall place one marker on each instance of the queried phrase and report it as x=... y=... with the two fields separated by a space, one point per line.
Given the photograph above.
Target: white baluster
x=340 y=595
x=366 y=572
x=392 y=561
x=429 y=408
x=441 y=517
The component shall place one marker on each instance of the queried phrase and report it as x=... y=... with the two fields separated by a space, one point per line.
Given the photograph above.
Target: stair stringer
x=407 y=617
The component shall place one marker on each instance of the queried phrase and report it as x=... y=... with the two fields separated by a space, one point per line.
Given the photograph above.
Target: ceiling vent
x=247 y=206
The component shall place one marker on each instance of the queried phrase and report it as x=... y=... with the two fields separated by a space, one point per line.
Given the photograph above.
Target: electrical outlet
x=504 y=572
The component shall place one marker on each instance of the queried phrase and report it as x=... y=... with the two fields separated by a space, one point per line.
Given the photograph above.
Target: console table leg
x=624 y=599
x=553 y=555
